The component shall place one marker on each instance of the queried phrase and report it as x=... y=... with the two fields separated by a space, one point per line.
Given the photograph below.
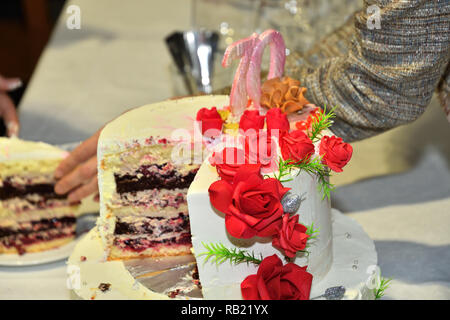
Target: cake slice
x=32 y=216
x=143 y=186
x=149 y=201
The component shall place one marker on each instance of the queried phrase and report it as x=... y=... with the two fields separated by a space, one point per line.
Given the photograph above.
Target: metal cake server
x=171 y=276
x=333 y=293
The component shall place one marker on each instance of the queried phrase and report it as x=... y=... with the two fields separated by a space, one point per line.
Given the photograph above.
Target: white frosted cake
x=137 y=140
x=235 y=186
x=32 y=216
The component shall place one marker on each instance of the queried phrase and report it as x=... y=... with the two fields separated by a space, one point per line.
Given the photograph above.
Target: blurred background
x=397 y=184
x=120 y=58
x=25 y=27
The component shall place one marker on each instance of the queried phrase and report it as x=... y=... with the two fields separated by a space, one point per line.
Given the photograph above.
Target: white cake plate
x=354 y=259
x=84 y=224
x=35 y=258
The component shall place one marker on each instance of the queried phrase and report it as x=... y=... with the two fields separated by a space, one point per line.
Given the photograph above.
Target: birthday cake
x=32 y=216
x=239 y=182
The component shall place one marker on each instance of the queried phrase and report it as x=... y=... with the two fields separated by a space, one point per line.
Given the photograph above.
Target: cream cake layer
x=149 y=202
x=18 y=156
x=30 y=203
x=154 y=155
x=32 y=216
x=159 y=250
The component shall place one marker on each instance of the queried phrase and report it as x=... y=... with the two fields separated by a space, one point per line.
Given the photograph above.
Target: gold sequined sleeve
x=378 y=78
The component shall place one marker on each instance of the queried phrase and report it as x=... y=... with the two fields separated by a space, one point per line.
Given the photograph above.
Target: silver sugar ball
x=291 y=203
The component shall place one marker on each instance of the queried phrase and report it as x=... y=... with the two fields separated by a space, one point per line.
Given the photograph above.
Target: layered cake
x=32 y=216
x=239 y=182
x=142 y=187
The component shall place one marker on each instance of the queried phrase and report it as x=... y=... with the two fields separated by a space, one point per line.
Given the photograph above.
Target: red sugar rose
x=291 y=236
x=228 y=161
x=273 y=281
x=251 y=120
x=210 y=119
x=296 y=145
x=252 y=205
x=336 y=153
x=276 y=120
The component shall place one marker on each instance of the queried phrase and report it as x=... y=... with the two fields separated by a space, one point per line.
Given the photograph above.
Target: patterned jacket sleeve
x=378 y=78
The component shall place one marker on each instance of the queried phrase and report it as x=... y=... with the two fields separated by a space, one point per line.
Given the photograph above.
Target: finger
x=9 y=114
x=77 y=177
x=84 y=151
x=83 y=191
x=10 y=84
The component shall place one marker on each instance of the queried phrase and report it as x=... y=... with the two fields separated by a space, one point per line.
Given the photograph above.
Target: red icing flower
x=228 y=161
x=306 y=124
x=210 y=119
x=336 y=153
x=251 y=120
x=296 y=145
x=276 y=120
x=302 y=125
x=252 y=205
x=273 y=281
x=291 y=236
x=260 y=148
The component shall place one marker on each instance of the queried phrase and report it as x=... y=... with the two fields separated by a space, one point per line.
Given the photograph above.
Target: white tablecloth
x=118 y=60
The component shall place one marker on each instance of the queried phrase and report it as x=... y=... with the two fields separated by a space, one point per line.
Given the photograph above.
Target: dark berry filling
x=37 y=226
x=45 y=190
x=141 y=244
x=146 y=179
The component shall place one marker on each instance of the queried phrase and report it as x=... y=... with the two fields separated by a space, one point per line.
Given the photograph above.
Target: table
x=397 y=185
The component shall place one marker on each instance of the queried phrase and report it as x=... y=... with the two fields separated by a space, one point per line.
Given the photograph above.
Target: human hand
x=7 y=109
x=77 y=173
